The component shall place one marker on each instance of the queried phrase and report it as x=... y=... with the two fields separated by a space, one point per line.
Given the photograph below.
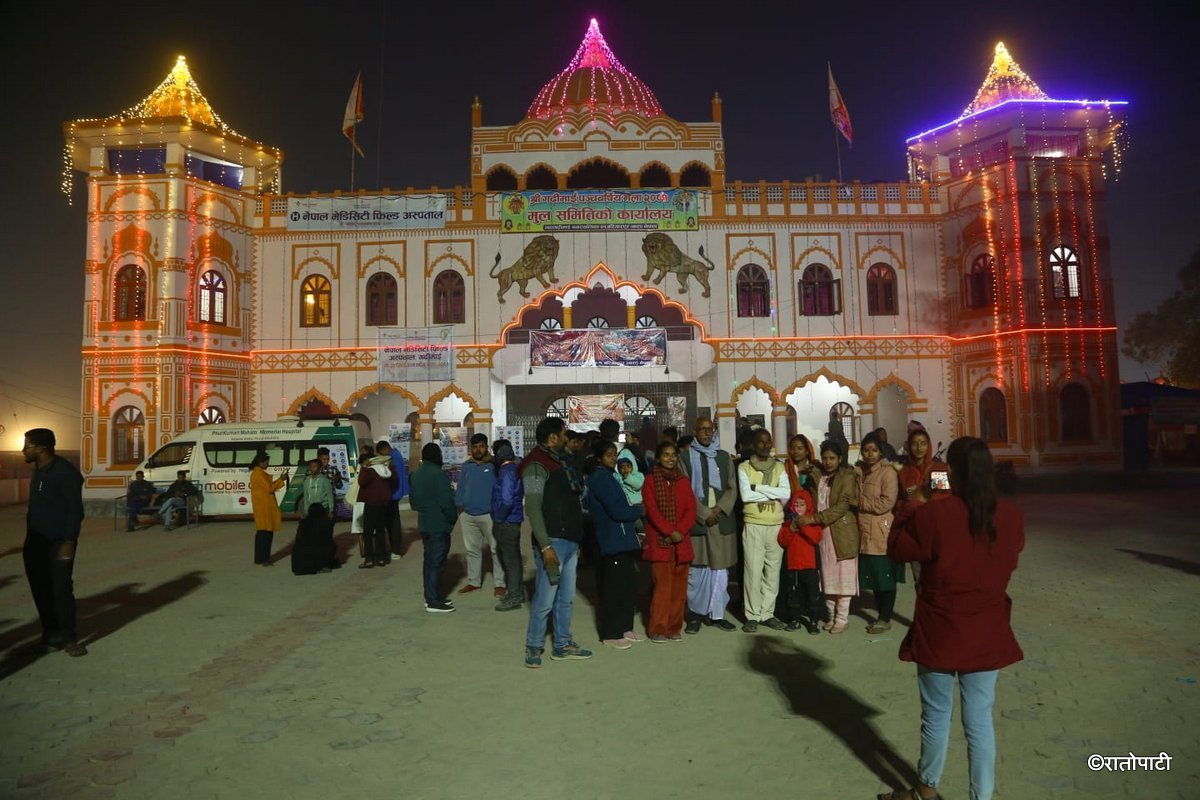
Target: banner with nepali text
x=416 y=354
x=599 y=209
x=599 y=347
x=369 y=212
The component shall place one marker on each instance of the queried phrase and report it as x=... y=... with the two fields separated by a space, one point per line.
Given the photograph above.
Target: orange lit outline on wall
x=585 y=284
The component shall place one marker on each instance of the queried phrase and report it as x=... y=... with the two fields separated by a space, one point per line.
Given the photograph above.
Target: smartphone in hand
x=939 y=481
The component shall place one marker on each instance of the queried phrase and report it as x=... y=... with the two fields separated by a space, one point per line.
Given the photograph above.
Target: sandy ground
x=209 y=678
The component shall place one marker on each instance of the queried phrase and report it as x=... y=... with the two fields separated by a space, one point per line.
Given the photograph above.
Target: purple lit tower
x=1028 y=281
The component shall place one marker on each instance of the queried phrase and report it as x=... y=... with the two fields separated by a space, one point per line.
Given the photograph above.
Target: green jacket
x=433 y=500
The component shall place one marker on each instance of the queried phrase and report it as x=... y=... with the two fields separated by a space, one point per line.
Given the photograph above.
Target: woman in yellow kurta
x=267 y=517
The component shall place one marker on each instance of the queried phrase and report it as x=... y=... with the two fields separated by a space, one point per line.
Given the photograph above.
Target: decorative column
x=779 y=417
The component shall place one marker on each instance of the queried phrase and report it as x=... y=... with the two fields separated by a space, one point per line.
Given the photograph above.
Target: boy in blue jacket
x=508 y=512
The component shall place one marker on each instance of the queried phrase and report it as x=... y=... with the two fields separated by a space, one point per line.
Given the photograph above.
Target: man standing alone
x=552 y=503
x=714 y=539
x=52 y=525
x=473 y=498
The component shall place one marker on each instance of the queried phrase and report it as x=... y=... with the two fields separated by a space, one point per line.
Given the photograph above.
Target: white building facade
x=974 y=297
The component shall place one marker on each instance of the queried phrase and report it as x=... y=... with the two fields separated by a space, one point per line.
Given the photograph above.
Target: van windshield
x=171 y=455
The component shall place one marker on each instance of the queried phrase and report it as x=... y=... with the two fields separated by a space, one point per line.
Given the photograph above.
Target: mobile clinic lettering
x=379 y=212
x=416 y=354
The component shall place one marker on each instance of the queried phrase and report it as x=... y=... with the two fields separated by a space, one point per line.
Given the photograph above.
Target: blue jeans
x=977 y=691
x=437 y=547
x=546 y=598
x=169 y=507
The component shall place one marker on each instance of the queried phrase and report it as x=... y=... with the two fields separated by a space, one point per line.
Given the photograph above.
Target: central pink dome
x=595 y=82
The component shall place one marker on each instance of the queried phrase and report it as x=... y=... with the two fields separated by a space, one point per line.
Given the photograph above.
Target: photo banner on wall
x=377 y=212
x=416 y=354
x=585 y=412
x=600 y=209
x=599 y=347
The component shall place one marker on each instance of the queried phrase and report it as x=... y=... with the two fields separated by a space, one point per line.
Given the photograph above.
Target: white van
x=217 y=457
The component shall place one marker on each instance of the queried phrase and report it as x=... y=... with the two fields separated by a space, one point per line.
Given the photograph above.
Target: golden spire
x=177 y=96
x=1005 y=81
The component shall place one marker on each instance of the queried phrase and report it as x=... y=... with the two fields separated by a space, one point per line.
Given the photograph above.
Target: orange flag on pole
x=354 y=113
x=837 y=109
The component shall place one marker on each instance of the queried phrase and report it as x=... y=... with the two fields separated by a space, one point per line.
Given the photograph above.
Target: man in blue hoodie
x=52 y=525
x=508 y=513
x=473 y=497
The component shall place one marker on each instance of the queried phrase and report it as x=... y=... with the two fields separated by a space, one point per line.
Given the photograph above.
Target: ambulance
x=218 y=457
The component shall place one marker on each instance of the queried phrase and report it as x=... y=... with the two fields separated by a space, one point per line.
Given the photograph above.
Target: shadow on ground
x=802 y=679
x=1183 y=565
x=98 y=616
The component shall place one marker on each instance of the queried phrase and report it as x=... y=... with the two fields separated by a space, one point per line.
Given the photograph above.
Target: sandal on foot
x=367 y=565
x=879 y=627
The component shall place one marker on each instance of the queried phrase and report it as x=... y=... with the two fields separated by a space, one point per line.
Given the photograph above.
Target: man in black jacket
x=51 y=535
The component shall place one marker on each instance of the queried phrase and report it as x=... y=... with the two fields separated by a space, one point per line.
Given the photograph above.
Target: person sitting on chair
x=177 y=499
x=138 y=498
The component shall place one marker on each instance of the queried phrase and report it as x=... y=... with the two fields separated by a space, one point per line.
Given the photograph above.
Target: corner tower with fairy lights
x=1026 y=264
x=169 y=281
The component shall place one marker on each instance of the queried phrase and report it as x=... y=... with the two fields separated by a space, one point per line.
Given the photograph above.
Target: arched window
x=753 y=292
x=820 y=294
x=597 y=322
x=212 y=297
x=637 y=406
x=881 y=290
x=501 y=179
x=558 y=408
x=655 y=176
x=695 y=175
x=315 y=302
x=540 y=178
x=993 y=416
x=129 y=295
x=129 y=437
x=211 y=416
x=1075 y=413
x=449 y=298
x=550 y=324
x=381 y=299
x=1064 y=272
x=979 y=281
x=646 y=321
x=844 y=413
x=598 y=174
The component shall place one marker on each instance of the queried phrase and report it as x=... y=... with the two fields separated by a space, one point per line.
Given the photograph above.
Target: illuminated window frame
x=316 y=301
x=213 y=297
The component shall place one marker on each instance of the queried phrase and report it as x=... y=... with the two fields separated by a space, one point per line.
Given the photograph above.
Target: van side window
x=241 y=454
x=172 y=455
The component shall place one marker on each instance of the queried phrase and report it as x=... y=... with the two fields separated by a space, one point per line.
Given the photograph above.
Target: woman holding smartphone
x=968 y=546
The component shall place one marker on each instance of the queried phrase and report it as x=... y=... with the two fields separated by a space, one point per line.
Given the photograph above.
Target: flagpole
x=837 y=145
x=351 y=166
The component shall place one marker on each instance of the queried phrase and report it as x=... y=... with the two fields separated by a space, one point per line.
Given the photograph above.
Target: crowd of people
x=810 y=533
x=801 y=538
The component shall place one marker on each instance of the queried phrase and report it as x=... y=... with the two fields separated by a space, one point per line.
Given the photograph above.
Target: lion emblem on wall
x=536 y=262
x=664 y=255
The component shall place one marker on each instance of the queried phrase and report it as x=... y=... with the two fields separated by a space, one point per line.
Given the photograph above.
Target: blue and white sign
x=374 y=212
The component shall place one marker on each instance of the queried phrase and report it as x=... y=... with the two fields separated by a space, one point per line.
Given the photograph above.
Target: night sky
x=280 y=74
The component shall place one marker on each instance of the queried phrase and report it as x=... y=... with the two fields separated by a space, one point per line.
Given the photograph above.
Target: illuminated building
x=974 y=297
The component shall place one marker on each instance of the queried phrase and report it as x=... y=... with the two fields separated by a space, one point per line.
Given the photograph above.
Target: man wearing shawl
x=714 y=537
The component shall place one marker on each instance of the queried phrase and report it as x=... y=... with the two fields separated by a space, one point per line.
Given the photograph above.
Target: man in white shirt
x=763 y=485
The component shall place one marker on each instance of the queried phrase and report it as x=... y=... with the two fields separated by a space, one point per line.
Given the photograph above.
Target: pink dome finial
x=594 y=81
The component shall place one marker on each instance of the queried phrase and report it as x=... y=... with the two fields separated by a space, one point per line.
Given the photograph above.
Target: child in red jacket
x=802 y=585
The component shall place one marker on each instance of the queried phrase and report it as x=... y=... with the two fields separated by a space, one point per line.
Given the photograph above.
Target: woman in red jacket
x=968 y=547
x=670 y=514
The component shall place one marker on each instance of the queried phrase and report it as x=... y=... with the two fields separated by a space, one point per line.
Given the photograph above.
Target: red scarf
x=664 y=490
